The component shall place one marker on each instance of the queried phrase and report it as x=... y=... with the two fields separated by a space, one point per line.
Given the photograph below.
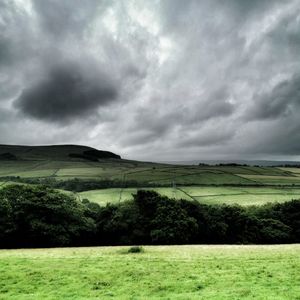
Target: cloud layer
x=154 y=80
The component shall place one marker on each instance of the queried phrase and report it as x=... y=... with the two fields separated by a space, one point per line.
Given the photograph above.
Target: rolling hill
x=106 y=177
x=54 y=152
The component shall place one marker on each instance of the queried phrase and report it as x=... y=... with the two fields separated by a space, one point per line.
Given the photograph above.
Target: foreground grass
x=173 y=272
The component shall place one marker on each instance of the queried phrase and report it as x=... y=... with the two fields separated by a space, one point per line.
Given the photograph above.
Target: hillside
x=54 y=152
x=112 y=179
x=66 y=162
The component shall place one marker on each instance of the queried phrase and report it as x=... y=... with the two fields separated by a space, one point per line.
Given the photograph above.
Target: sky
x=153 y=80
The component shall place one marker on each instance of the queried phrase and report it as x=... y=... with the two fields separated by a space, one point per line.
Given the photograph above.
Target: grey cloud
x=155 y=125
x=276 y=137
x=206 y=139
x=287 y=33
x=66 y=17
x=5 y=51
x=180 y=15
x=244 y=8
x=67 y=91
x=5 y=115
x=14 y=32
x=280 y=102
x=217 y=105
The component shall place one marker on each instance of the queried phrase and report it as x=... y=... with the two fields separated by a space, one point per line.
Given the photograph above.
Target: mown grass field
x=170 y=272
x=207 y=195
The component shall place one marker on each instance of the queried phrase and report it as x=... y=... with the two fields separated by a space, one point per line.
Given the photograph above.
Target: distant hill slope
x=70 y=162
x=55 y=152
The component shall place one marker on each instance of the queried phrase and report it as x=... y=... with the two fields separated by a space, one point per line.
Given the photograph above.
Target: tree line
x=37 y=216
x=80 y=185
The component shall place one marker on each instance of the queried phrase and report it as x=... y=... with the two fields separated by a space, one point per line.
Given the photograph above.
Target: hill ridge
x=55 y=152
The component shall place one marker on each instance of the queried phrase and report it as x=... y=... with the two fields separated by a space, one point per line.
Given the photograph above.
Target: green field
x=207 y=184
x=241 y=195
x=150 y=173
x=171 y=272
x=115 y=195
x=207 y=195
x=39 y=163
x=156 y=174
x=275 y=180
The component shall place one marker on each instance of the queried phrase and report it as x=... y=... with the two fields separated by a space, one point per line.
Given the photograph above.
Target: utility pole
x=174 y=186
x=122 y=187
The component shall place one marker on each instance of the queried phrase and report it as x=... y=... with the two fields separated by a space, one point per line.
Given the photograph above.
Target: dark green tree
x=43 y=217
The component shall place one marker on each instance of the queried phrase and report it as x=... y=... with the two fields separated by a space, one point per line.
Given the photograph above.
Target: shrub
x=135 y=249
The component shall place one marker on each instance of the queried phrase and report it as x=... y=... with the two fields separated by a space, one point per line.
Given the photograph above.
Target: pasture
x=149 y=173
x=228 y=184
x=160 y=272
x=204 y=194
x=241 y=195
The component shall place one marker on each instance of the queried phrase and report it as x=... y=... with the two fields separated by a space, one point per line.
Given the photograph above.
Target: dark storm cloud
x=67 y=91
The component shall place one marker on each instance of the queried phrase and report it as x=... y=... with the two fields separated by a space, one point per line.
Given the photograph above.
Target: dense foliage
x=79 y=185
x=41 y=217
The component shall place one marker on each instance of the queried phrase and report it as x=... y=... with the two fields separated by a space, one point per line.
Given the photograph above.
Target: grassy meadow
x=207 y=184
x=150 y=173
x=202 y=194
x=160 y=272
x=115 y=195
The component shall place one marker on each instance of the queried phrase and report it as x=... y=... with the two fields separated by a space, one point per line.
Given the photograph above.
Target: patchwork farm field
x=275 y=180
x=204 y=194
x=230 y=184
x=116 y=195
x=168 y=272
x=243 y=185
x=149 y=173
x=241 y=195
